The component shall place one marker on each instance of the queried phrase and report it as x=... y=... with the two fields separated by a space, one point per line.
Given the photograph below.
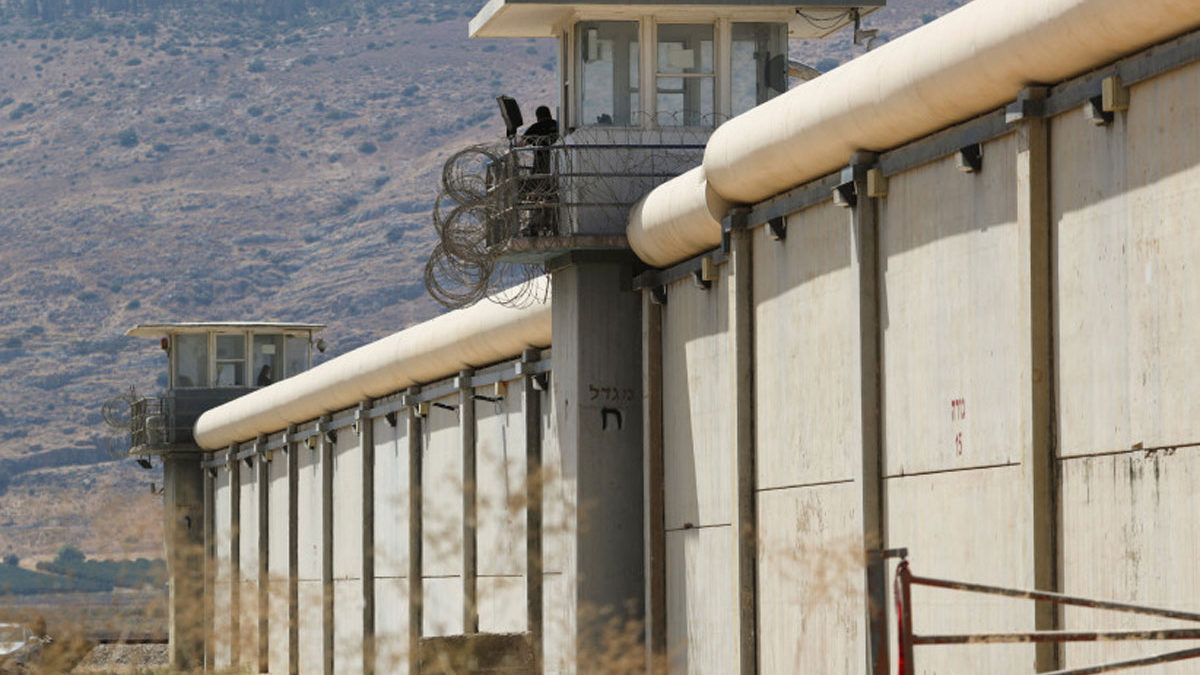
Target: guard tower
x=641 y=87
x=208 y=364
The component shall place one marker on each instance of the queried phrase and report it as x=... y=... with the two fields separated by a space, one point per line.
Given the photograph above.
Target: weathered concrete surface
x=953 y=331
x=441 y=499
x=810 y=580
x=278 y=563
x=347 y=553
x=1128 y=288
x=310 y=545
x=222 y=647
x=248 y=566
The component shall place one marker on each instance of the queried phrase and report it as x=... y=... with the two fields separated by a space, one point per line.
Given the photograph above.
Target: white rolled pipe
x=475 y=336
x=681 y=214
x=968 y=62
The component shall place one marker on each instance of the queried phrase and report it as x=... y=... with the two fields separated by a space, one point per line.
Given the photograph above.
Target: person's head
x=543 y=113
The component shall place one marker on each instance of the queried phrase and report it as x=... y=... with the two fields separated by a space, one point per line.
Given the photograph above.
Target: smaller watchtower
x=207 y=364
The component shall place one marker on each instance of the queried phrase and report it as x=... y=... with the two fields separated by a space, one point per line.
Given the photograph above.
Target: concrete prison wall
x=990 y=366
x=317 y=526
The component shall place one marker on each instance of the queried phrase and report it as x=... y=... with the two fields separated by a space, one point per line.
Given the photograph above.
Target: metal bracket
x=969 y=159
x=658 y=294
x=778 y=228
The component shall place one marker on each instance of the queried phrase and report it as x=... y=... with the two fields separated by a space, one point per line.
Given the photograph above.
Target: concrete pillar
x=416 y=588
x=209 y=562
x=466 y=421
x=531 y=404
x=865 y=224
x=293 y=473
x=327 y=450
x=235 y=558
x=596 y=386
x=1033 y=218
x=264 y=551
x=741 y=357
x=652 y=485
x=366 y=435
x=184 y=499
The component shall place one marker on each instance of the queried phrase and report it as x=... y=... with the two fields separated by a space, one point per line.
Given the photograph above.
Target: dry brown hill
x=164 y=167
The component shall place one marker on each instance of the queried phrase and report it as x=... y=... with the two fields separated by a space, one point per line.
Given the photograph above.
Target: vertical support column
x=366 y=436
x=416 y=588
x=597 y=383
x=1033 y=219
x=652 y=484
x=741 y=346
x=210 y=557
x=531 y=404
x=293 y=586
x=186 y=496
x=264 y=552
x=326 y=440
x=235 y=556
x=466 y=421
x=865 y=221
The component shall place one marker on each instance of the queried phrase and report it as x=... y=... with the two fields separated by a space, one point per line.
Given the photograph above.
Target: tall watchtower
x=207 y=365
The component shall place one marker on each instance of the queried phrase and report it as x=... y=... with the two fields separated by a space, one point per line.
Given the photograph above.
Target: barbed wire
x=496 y=196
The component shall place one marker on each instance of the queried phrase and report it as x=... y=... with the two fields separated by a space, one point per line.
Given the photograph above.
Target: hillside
x=174 y=165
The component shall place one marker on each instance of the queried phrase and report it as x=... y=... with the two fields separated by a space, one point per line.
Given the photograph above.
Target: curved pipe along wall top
x=972 y=60
x=484 y=333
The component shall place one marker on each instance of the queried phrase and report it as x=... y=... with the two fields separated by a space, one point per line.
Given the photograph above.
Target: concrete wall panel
x=966 y=525
x=500 y=483
x=810 y=588
x=443 y=606
x=222 y=570
x=310 y=627
x=347 y=506
x=391 y=625
x=955 y=327
x=308 y=501
x=441 y=493
x=701 y=601
x=1132 y=536
x=277 y=561
x=696 y=405
x=1124 y=204
x=248 y=565
x=501 y=604
x=347 y=627
x=391 y=498
x=806 y=351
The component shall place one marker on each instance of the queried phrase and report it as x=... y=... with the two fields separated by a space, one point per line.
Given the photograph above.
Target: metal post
x=904 y=619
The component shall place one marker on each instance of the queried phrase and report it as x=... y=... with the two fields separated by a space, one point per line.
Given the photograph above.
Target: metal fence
x=908 y=639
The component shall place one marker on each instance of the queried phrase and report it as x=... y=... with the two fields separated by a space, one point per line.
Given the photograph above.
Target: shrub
x=367 y=148
x=254 y=139
x=162 y=147
x=134 y=62
x=127 y=138
x=254 y=111
x=257 y=66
